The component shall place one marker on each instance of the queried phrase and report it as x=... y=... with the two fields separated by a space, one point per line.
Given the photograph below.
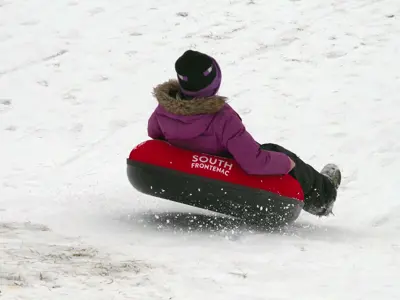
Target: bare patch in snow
x=34 y=256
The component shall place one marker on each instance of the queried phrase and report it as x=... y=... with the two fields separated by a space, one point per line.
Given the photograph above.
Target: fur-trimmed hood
x=167 y=95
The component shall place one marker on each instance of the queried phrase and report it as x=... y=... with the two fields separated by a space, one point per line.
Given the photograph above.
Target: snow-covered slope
x=319 y=77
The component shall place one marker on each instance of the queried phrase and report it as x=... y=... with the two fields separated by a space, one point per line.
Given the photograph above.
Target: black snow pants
x=319 y=192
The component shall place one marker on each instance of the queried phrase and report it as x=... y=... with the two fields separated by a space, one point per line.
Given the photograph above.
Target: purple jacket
x=209 y=125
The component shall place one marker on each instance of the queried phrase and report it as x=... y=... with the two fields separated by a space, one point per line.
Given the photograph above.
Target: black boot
x=332 y=172
x=335 y=176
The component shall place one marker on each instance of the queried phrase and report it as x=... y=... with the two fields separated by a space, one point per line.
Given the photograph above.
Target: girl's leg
x=319 y=191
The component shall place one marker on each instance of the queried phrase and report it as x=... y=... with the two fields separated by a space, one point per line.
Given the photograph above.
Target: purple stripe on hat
x=210 y=90
x=208 y=71
x=184 y=78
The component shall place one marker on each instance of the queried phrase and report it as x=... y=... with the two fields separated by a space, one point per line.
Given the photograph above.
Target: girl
x=191 y=115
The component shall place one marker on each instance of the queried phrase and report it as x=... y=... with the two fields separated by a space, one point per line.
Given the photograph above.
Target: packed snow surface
x=318 y=77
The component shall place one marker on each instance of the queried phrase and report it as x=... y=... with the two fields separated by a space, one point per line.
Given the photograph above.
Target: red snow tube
x=213 y=183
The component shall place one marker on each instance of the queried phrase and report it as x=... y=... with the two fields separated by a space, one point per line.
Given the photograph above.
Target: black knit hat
x=198 y=74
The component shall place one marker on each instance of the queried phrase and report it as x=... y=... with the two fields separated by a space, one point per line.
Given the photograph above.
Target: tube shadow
x=189 y=222
x=197 y=222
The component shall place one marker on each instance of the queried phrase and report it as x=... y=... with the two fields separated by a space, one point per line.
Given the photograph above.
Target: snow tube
x=214 y=183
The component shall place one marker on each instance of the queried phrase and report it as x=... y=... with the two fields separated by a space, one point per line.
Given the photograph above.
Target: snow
x=319 y=77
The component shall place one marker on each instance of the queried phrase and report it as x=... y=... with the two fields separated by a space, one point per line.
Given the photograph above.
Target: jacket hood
x=167 y=95
x=184 y=119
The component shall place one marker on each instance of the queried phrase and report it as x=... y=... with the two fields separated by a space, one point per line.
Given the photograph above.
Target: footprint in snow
x=11 y=128
x=6 y=102
x=96 y=11
x=116 y=124
x=43 y=83
x=30 y=23
x=100 y=78
x=335 y=54
x=182 y=14
x=77 y=127
x=245 y=111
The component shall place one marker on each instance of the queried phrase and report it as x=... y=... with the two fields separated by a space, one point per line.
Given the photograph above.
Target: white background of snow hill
x=319 y=77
